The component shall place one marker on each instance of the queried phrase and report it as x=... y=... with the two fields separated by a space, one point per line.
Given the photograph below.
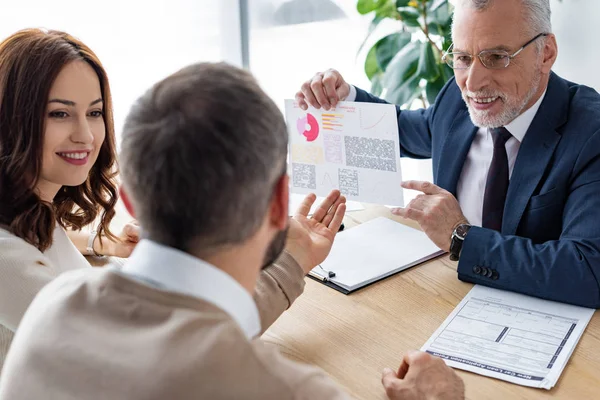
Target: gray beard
x=275 y=247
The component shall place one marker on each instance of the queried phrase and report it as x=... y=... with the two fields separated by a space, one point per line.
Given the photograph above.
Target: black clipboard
x=340 y=289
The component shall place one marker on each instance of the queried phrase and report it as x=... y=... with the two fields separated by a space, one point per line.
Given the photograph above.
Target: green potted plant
x=407 y=65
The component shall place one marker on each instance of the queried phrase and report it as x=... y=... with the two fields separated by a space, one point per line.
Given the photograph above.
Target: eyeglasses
x=491 y=59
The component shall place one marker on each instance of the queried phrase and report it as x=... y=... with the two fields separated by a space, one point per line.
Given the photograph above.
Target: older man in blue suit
x=515 y=152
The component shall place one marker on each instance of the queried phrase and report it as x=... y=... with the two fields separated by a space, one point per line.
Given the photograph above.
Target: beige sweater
x=24 y=270
x=106 y=336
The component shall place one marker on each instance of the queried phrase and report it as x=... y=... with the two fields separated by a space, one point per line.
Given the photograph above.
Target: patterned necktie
x=496 y=184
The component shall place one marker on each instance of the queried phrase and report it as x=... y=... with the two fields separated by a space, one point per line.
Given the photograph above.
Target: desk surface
x=352 y=338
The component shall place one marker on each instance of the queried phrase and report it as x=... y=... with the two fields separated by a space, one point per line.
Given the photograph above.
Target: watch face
x=461 y=230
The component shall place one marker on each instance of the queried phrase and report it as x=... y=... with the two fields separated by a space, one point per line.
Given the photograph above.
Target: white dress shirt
x=173 y=270
x=471 y=184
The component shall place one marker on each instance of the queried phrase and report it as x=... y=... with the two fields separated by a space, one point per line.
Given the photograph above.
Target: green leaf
x=372 y=27
x=367 y=6
x=405 y=93
x=402 y=3
x=435 y=28
x=377 y=85
x=410 y=16
x=387 y=10
x=435 y=4
x=428 y=66
x=446 y=72
x=389 y=46
x=403 y=66
x=433 y=88
x=371 y=66
x=441 y=15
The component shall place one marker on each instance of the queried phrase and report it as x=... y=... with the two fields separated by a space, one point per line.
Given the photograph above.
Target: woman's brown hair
x=30 y=61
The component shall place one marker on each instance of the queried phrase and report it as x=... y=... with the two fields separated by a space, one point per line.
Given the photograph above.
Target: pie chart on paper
x=308 y=126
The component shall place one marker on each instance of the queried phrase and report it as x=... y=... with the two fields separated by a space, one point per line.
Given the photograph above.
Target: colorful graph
x=308 y=126
x=366 y=125
x=332 y=121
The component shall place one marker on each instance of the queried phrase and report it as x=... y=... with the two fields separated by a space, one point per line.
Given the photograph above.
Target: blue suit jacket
x=549 y=246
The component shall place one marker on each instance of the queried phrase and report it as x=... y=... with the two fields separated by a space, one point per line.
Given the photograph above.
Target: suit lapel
x=535 y=153
x=454 y=151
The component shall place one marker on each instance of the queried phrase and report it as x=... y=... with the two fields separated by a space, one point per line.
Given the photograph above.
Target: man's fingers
x=331 y=212
x=332 y=78
x=343 y=91
x=418 y=203
x=403 y=369
x=318 y=91
x=306 y=205
x=422 y=186
x=338 y=217
x=321 y=211
x=388 y=376
x=408 y=213
x=309 y=97
x=300 y=99
x=392 y=385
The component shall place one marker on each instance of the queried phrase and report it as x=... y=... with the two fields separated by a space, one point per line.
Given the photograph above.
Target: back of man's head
x=201 y=153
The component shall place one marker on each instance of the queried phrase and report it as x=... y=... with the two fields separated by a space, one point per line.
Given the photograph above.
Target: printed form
x=354 y=148
x=509 y=336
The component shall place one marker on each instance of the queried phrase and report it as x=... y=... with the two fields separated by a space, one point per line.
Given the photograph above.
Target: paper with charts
x=353 y=148
x=510 y=336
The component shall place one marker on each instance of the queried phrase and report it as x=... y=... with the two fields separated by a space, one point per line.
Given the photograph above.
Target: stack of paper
x=510 y=336
x=372 y=251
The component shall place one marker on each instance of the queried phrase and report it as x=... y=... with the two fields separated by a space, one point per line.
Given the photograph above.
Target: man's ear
x=126 y=201
x=550 y=53
x=280 y=202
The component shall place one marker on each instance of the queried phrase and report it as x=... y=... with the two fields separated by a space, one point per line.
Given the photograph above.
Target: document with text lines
x=354 y=148
x=509 y=336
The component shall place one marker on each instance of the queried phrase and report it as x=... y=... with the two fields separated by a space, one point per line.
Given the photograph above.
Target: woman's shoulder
x=13 y=247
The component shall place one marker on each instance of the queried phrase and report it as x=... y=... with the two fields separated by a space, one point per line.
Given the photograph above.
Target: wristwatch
x=458 y=238
x=90 y=251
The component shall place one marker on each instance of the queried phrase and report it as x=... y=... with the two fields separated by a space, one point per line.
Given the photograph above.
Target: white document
x=354 y=148
x=374 y=250
x=296 y=200
x=510 y=336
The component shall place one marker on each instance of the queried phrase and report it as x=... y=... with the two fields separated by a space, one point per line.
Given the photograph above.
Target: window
x=138 y=42
x=291 y=40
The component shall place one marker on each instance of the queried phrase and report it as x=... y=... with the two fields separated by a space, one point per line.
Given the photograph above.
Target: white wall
x=139 y=42
x=576 y=24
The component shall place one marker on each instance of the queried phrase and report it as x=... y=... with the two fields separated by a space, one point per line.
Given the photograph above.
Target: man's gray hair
x=201 y=154
x=537 y=13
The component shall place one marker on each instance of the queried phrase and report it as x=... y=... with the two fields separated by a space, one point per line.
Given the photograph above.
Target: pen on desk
x=317 y=276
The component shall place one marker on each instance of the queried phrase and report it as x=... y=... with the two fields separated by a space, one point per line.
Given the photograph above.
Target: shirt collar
x=175 y=271
x=519 y=126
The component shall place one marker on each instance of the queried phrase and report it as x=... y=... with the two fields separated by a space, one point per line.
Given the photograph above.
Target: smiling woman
x=54 y=105
x=57 y=163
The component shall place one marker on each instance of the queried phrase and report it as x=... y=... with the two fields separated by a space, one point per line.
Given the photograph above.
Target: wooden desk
x=354 y=337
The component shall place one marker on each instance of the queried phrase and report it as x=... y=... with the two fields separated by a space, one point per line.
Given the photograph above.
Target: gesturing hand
x=309 y=239
x=436 y=210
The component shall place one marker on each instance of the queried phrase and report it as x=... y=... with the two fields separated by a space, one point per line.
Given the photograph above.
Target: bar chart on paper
x=510 y=336
x=353 y=147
